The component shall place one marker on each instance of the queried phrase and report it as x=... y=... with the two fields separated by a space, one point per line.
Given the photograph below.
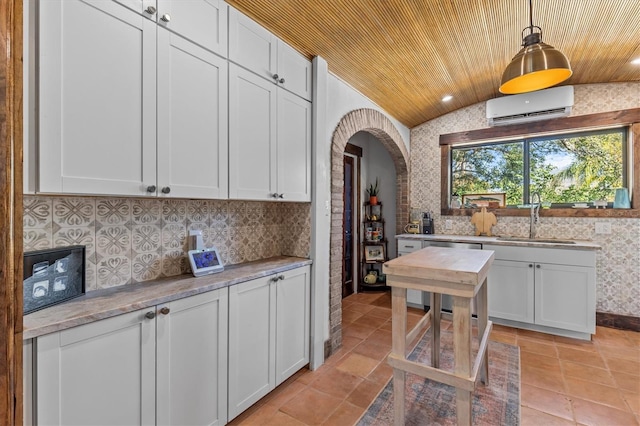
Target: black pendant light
x=536 y=66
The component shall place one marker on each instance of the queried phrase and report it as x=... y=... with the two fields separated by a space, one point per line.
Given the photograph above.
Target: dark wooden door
x=349 y=231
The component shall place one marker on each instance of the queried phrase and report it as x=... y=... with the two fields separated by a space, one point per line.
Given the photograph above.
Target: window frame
x=629 y=118
x=526 y=142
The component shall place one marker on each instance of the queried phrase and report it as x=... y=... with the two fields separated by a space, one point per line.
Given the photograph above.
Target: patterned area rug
x=433 y=403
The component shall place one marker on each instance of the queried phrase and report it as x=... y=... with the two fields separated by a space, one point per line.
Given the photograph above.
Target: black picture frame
x=52 y=276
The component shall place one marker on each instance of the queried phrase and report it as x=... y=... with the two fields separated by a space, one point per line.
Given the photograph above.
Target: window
x=564 y=169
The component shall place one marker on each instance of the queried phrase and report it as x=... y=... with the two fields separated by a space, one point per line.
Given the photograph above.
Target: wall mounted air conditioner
x=532 y=106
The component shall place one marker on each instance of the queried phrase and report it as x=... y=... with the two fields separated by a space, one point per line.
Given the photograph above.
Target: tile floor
x=563 y=381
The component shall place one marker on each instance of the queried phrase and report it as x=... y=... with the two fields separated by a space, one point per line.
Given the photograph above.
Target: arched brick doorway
x=377 y=124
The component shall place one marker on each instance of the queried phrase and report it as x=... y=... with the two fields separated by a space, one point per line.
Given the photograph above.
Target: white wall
x=344 y=99
x=333 y=99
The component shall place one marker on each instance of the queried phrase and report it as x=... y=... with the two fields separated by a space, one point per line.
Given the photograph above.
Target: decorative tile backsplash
x=133 y=240
x=618 y=263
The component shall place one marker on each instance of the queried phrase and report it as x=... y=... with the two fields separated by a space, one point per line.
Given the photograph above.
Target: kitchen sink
x=535 y=240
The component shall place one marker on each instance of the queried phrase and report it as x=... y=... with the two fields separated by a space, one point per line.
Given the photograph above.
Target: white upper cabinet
x=97 y=93
x=202 y=21
x=269 y=140
x=294 y=148
x=127 y=107
x=294 y=71
x=252 y=136
x=255 y=48
x=192 y=120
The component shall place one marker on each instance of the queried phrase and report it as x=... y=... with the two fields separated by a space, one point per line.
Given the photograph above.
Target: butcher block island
x=461 y=273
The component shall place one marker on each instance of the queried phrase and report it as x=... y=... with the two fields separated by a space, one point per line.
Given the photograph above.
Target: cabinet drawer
x=409 y=245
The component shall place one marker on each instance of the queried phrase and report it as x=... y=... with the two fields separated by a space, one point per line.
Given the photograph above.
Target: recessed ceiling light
x=447 y=98
x=636 y=61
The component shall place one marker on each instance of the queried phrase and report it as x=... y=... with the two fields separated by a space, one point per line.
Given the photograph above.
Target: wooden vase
x=373 y=200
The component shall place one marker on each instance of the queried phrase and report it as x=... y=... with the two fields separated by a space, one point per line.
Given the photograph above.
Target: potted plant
x=373 y=193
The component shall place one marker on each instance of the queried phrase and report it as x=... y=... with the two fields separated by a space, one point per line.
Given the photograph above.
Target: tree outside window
x=564 y=169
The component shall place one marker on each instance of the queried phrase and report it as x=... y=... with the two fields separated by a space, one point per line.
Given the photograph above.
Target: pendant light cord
x=530 y=16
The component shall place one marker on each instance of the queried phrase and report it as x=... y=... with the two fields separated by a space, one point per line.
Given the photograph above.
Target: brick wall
x=378 y=125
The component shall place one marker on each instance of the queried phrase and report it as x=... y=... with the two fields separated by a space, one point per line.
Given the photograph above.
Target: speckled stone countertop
x=545 y=243
x=101 y=304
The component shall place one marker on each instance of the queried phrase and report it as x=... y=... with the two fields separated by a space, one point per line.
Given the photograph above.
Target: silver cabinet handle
x=281 y=81
x=530 y=265
x=165 y=310
x=410 y=246
x=276 y=77
x=150 y=10
x=538 y=266
x=166 y=190
x=151 y=188
x=150 y=315
x=166 y=17
x=280 y=195
x=274 y=195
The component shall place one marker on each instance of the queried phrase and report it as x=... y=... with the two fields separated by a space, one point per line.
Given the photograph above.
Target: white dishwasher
x=447 y=300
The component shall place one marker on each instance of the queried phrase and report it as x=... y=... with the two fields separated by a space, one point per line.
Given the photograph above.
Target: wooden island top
x=462 y=270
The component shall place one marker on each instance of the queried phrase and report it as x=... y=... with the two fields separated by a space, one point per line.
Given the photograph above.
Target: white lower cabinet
x=414 y=297
x=511 y=290
x=201 y=360
x=549 y=290
x=565 y=297
x=191 y=381
x=161 y=365
x=268 y=335
x=293 y=300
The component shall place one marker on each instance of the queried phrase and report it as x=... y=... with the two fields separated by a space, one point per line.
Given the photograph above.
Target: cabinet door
x=251 y=45
x=252 y=136
x=565 y=297
x=296 y=71
x=97 y=94
x=192 y=360
x=27 y=382
x=292 y=322
x=294 y=147
x=192 y=119
x=202 y=21
x=98 y=373
x=252 y=348
x=414 y=297
x=510 y=290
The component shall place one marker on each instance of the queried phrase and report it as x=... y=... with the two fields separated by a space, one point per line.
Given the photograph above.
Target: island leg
x=483 y=316
x=462 y=355
x=436 y=312
x=398 y=339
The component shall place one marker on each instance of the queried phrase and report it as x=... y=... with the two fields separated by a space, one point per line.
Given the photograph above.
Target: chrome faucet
x=535 y=214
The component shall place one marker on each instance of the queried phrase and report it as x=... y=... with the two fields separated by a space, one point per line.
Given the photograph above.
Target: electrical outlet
x=603 y=228
x=448 y=224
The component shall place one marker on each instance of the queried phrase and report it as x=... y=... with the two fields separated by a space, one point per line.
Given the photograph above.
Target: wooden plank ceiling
x=406 y=55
